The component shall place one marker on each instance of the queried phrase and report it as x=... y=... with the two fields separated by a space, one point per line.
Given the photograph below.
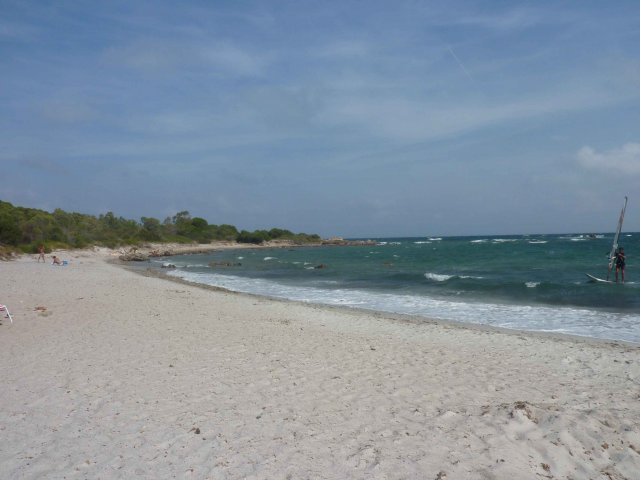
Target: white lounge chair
x=3 y=308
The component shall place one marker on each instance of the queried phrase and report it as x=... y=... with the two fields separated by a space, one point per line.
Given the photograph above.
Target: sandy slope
x=126 y=376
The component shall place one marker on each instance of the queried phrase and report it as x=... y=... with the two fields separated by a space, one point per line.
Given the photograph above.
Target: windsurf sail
x=614 y=247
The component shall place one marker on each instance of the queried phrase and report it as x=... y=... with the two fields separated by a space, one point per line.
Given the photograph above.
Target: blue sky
x=342 y=118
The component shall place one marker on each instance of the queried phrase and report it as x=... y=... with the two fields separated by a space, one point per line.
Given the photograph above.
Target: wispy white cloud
x=233 y=60
x=17 y=31
x=220 y=57
x=625 y=159
x=405 y=117
x=339 y=49
x=147 y=54
x=172 y=123
x=516 y=18
x=59 y=110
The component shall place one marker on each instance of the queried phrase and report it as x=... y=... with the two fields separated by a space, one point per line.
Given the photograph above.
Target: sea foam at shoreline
x=520 y=282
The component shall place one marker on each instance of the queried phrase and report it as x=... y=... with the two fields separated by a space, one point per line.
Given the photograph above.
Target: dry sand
x=121 y=376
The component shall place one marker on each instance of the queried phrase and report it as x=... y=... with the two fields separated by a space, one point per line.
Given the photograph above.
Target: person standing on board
x=620 y=261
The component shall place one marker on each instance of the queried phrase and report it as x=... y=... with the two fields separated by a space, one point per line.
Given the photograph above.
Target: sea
x=521 y=282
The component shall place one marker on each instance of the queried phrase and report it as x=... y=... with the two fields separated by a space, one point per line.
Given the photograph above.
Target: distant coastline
x=151 y=250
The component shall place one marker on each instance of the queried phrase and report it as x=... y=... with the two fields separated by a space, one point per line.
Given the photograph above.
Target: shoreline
x=114 y=374
x=418 y=317
x=392 y=317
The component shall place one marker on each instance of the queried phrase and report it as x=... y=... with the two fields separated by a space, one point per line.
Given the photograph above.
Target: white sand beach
x=109 y=374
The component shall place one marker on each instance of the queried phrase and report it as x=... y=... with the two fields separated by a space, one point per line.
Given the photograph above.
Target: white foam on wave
x=266 y=259
x=537 y=241
x=504 y=240
x=568 y=320
x=437 y=277
x=532 y=284
x=482 y=240
x=422 y=242
x=175 y=264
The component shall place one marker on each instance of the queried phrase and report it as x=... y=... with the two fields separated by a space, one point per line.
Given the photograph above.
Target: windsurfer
x=620 y=263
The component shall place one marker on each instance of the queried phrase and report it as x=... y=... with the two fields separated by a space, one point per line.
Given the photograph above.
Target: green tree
x=26 y=227
x=182 y=222
x=9 y=229
x=151 y=229
x=257 y=237
x=280 y=233
x=36 y=228
x=226 y=232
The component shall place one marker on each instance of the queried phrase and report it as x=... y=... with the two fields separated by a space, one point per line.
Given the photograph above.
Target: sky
x=342 y=118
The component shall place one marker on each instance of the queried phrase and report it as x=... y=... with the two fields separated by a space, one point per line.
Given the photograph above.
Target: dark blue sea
x=524 y=282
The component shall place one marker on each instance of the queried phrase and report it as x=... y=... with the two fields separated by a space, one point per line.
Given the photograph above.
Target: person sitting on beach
x=620 y=262
x=56 y=261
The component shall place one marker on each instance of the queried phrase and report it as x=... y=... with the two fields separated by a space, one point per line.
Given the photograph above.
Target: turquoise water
x=534 y=282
